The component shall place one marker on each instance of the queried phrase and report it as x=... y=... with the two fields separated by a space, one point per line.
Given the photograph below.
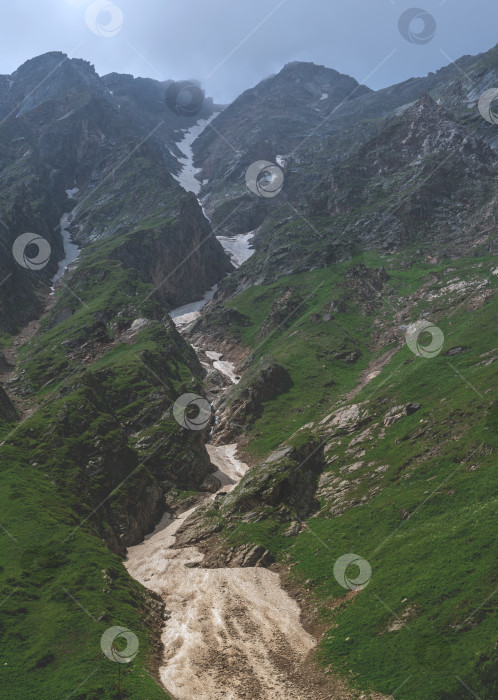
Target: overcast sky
x=232 y=44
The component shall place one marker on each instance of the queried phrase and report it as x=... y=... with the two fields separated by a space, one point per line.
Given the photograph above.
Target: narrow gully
x=231 y=633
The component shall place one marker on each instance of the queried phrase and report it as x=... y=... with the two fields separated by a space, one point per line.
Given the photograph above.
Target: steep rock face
x=422 y=179
x=31 y=201
x=244 y=403
x=63 y=128
x=302 y=95
x=32 y=86
x=287 y=479
x=314 y=137
x=8 y=413
x=181 y=259
x=404 y=148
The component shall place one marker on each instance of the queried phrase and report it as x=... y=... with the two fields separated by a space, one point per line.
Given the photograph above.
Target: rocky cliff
x=64 y=127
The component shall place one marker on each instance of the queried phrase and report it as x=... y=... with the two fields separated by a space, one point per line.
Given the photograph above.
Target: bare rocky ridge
x=351 y=111
x=65 y=128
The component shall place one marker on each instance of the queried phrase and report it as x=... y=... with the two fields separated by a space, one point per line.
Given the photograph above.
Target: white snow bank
x=184 y=315
x=238 y=247
x=71 y=251
x=187 y=177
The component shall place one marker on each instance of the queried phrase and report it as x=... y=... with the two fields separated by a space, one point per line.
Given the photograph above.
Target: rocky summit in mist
x=248 y=361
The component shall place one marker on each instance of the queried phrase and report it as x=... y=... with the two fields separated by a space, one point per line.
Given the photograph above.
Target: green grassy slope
x=61 y=586
x=419 y=502
x=50 y=644
x=97 y=446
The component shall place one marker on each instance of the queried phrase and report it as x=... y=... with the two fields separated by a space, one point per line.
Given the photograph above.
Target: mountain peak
x=50 y=76
x=39 y=64
x=53 y=61
x=318 y=78
x=310 y=69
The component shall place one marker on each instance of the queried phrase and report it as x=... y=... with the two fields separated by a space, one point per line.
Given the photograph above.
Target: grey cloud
x=228 y=45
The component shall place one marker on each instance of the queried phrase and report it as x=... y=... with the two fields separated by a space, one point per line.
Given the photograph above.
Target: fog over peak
x=231 y=46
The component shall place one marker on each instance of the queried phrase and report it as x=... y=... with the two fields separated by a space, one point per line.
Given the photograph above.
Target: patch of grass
x=426 y=524
x=51 y=645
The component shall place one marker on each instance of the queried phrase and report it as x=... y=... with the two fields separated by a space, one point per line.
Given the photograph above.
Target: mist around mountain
x=248 y=355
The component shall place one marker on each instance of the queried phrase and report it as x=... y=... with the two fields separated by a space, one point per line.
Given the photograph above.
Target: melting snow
x=71 y=251
x=238 y=247
x=187 y=178
x=233 y=613
x=184 y=315
x=226 y=368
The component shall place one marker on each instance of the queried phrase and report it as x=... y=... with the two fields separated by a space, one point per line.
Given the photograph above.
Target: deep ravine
x=71 y=250
x=231 y=633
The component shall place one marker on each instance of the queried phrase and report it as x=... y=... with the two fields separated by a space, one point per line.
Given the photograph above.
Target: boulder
x=243 y=404
x=346 y=420
x=397 y=412
x=288 y=477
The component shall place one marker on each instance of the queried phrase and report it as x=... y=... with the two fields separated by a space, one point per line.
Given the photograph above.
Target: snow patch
x=238 y=247
x=187 y=176
x=71 y=251
x=208 y=605
x=187 y=313
x=224 y=367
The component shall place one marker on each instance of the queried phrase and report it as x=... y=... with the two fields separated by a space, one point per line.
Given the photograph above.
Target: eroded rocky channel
x=230 y=633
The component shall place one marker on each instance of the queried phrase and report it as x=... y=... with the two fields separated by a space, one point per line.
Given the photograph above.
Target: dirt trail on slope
x=232 y=633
